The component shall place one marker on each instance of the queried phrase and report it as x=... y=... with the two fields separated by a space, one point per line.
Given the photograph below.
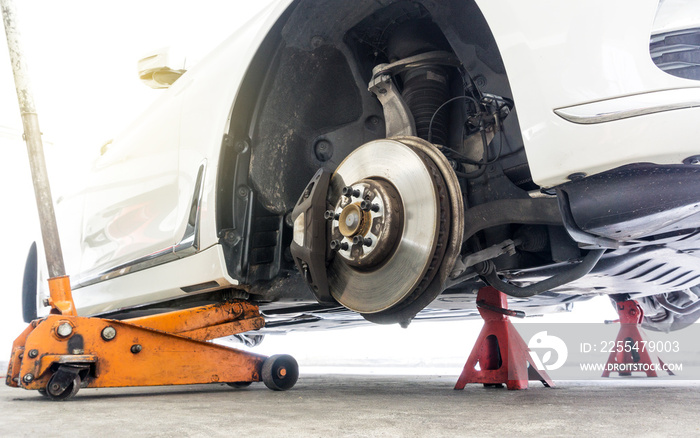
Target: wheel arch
x=301 y=27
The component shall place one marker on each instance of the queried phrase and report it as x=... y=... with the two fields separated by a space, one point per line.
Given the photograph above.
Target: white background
x=82 y=60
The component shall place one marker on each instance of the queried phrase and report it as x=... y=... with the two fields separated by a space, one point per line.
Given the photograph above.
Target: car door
x=131 y=202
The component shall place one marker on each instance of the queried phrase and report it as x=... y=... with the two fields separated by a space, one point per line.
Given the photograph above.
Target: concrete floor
x=354 y=405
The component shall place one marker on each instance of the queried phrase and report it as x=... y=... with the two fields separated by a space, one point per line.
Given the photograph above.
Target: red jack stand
x=630 y=353
x=501 y=353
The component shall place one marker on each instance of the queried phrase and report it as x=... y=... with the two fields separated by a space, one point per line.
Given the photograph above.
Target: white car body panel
x=130 y=206
x=676 y=14
x=165 y=147
x=155 y=284
x=561 y=54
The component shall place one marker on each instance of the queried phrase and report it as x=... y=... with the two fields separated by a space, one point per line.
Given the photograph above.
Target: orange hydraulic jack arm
x=206 y=322
x=61 y=297
x=59 y=354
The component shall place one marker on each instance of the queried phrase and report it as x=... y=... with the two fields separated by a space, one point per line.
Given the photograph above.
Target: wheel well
x=304 y=105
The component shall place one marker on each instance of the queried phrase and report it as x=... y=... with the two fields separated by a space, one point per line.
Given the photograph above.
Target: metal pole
x=35 y=148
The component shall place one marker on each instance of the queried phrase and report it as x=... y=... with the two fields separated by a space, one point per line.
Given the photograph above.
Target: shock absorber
x=426 y=84
x=424 y=90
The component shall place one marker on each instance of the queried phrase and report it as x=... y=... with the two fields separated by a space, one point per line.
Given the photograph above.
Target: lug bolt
x=28 y=378
x=367 y=206
x=337 y=245
x=350 y=192
x=108 y=333
x=136 y=348
x=330 y=215
x=359 y=240
x=64 y=330
x=33 y=353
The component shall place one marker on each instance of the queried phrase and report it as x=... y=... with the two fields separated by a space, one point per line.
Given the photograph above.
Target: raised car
x=348 y=161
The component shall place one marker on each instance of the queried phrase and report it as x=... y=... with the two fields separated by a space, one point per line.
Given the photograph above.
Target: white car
x=388 y=158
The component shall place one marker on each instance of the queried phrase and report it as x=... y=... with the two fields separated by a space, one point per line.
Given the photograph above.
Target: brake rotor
x=389 y=226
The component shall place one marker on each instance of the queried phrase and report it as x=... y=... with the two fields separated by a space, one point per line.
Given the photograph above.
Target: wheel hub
x=352 y=220
x=366 y=222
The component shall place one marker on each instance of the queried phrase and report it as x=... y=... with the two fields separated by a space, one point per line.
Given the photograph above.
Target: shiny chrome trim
x=190 y=240
x=188 y=245
x=631 y=106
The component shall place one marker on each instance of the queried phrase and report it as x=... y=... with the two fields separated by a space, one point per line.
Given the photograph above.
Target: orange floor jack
x=500 y=352
x=63 y=352
x=630 y=353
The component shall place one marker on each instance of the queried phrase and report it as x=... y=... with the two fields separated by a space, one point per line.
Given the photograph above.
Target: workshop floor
x=362 y=405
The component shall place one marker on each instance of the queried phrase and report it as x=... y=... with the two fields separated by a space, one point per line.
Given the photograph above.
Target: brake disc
x=390 y=226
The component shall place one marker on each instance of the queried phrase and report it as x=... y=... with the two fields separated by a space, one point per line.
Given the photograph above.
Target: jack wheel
x=239 y=385
x=280 y=372
x=53 y=389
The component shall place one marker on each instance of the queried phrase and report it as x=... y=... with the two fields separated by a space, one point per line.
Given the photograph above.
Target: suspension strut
x=424 y=90
x=425 y=84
